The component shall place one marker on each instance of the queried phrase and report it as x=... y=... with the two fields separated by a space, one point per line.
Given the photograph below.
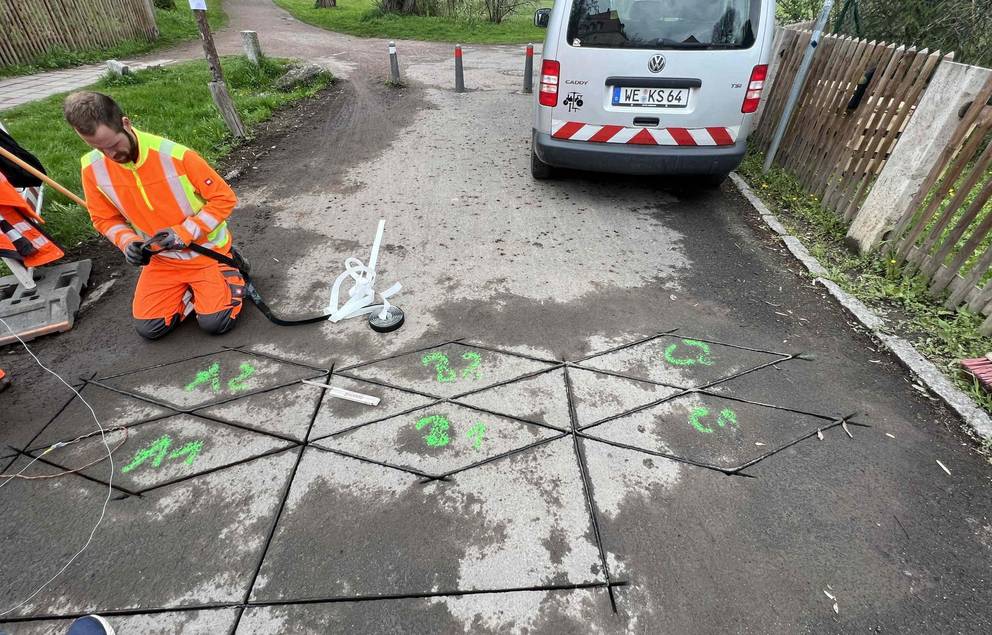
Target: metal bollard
x=459 y=73
x=529 y=70
x=394 y=65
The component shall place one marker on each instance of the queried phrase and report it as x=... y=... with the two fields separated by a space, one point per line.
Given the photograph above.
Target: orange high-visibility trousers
x=168 y=291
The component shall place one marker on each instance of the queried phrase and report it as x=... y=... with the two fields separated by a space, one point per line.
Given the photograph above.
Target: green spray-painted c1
x=702 y=358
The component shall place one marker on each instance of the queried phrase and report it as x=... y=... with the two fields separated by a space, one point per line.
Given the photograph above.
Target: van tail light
x=754 y=88
x=550 y=71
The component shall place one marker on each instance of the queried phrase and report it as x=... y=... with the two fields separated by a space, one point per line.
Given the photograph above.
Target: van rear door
x=671 y=72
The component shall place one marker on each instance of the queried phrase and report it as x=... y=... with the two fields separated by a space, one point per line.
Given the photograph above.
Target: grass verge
x=177 y=25
x=942 y=335
x=361 y=18
x=173 y=101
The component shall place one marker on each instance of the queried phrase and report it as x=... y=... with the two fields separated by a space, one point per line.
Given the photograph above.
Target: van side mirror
x=542 y=17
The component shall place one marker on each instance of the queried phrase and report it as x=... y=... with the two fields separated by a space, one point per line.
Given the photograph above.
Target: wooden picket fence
x=946 y=232
x=29 y=29
x=836 y=148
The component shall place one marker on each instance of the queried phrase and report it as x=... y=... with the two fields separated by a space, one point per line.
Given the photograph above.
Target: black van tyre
x=539 y=169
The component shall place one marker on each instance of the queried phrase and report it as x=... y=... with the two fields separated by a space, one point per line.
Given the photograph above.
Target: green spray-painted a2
x=701 y=358
x=211 y=377
x=725 y=417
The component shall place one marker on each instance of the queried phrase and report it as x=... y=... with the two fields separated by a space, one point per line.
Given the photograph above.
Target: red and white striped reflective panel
x=576 y=131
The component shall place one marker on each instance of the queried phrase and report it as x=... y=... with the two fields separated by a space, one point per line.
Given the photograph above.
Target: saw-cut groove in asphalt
x=503 y=351
x=507 y=382
x=212 y=606
x=281 y=360
x=587 y=488
x=401 y=354
x=42 y=459
x=497 y=457
x=386 y=384
x=129 y=426
x=78 y=387
x=622 y=376
x=210 y=404
x=622 y=347
x=218 y=468
x=278 y=516
x=392 y=466
x=223 y=349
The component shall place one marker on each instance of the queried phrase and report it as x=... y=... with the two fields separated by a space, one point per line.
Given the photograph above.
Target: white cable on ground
x=110 y=481
x=361 y=296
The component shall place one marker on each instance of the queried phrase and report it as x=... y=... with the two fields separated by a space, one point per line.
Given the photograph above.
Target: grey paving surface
x=547 y=539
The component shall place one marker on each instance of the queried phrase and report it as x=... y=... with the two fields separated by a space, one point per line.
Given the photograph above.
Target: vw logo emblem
x=656 y=64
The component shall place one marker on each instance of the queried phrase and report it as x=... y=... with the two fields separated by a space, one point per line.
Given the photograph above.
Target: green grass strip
x=361 y=18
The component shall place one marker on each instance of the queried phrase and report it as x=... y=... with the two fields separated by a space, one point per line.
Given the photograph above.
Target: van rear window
x=664 y=24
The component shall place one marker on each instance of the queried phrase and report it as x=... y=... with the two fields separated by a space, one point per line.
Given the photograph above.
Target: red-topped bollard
x=529 y=70
x=459 y=73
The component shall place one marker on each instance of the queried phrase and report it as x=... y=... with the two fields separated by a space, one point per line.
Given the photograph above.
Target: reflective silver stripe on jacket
x=172 y=176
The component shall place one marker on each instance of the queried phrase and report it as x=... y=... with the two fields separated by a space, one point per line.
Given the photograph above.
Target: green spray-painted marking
x=158 y=452
x=210 y=376
x=441 y=365
x=446 y=374
x=702 y=358
x=191 y=450
x=438 y=436
x=476 y=433
x=475 y=360
x=726 y=416
x=238 y=383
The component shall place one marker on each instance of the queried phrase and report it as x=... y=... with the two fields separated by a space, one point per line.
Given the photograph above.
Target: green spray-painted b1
x=439 y=427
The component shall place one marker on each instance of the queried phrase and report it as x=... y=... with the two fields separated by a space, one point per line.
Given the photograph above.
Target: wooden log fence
x=31 y=29
x=946 y=233
x=837 y=144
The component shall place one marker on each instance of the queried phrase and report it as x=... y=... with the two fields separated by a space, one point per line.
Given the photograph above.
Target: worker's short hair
x=86 y=110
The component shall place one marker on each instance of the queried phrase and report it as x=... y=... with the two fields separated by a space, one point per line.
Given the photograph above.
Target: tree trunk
x=325 y=4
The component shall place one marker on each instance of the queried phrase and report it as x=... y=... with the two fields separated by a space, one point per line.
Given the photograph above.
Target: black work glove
x=132 y=253
x=169 y=239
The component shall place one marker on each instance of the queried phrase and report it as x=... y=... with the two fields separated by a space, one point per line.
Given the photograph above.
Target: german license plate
x=651 y=97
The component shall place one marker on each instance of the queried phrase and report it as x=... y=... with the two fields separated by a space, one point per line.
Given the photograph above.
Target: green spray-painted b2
x=442 y=366
x=726 y=416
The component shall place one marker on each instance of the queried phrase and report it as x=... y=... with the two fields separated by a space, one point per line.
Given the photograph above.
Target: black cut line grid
x=574 y=432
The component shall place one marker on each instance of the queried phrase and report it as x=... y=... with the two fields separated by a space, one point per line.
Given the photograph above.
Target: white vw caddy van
x=650 y=86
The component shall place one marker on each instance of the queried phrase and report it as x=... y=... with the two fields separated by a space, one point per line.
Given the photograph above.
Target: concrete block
x=253 y=50
x=919 y=149
x=118 y=68
x=48 y=308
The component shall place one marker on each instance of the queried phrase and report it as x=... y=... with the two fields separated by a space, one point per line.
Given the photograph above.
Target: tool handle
x=41 y=175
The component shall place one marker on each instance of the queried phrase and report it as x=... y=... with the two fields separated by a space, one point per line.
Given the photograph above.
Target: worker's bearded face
x=119 y=146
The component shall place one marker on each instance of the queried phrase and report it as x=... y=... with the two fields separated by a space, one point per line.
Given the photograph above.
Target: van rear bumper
x=637 y=159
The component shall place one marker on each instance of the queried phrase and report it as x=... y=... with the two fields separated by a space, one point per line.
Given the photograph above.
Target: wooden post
x=218 y=89
x=253 y=51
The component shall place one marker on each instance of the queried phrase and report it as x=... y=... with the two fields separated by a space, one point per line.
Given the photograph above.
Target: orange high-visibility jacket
x=169 y=186
x=21 y=237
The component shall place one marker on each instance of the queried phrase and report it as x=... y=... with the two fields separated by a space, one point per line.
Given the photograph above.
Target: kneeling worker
x=138 y=185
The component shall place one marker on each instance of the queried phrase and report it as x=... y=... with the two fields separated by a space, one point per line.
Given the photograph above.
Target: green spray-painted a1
x=700 y=356
x=158 y=451
x=211 y=377
x=437 y=437
x=442 y=366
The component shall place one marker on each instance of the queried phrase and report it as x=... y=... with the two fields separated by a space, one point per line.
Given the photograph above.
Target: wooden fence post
x=921 y=147
x=218 y=89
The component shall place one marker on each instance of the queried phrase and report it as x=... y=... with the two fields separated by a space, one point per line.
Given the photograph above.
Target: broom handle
x=44 y=177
